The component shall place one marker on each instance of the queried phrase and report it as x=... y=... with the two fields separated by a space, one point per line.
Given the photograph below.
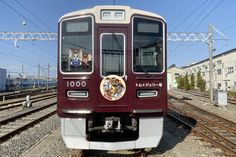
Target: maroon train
x=112 y=91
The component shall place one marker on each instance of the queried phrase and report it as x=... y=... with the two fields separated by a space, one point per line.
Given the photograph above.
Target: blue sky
x=181 y=16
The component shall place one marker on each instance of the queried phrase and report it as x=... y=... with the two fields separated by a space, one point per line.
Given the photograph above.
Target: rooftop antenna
x=114 y=2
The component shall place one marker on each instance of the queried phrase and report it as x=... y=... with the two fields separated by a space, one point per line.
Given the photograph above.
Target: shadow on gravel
x=173 y=134
x=121 y=153
x=186 y=98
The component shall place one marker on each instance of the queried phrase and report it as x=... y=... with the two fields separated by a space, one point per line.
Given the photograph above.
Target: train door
x=112 y=50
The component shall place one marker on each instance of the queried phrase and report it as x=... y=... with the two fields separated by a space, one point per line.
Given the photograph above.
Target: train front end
x=112 y=91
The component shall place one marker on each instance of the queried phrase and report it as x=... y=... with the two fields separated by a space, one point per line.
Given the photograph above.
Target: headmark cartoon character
x=112 y=87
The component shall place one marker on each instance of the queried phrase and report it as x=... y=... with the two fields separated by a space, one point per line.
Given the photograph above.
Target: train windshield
x=147 y=46
x=76 y=45
x=112 y=54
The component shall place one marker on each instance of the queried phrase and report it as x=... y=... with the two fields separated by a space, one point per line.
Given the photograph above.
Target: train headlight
x=77 y=94
x=147 y=93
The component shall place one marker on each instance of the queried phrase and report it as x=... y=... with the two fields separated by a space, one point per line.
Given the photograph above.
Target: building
x=224 y=75
x=173 y=73
x=3 y=79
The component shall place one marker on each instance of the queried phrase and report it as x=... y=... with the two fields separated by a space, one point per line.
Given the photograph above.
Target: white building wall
x=224 y=71
x=173 y=73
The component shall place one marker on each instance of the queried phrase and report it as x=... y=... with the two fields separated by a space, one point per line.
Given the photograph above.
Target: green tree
x=201 y=83
x=186 y=82
x=199 y=78
x=180 y=81
x=192 y=81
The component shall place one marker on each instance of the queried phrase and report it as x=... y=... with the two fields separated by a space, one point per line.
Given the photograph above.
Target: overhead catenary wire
x=199 y=15
x=48 y=54
x=27 y=60
x=26 y=51
x=227 y=23
x=182 y=12
x=202 y=4
x=33 y=15
x=4 y=55
x=11 y=55
x=16 y=11
x=211 y=11
x=187 y=17
x=229 y=26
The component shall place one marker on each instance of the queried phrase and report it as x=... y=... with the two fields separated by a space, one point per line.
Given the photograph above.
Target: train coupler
x=112 y=123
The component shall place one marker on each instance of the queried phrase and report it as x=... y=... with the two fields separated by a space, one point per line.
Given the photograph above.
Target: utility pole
x=48 y=75
x=22 y=69
x=210 y=61
x=201 y=37
x=38 y=75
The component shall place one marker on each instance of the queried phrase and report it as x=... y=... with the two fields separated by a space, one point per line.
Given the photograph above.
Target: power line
x=32 y=56
x=41 y=21
x=26 y=51
x=11 y=55
x=228 y=27
x=189 y=15
x=218 y=4
x=199 y=15
x=5 y=3
x=53 y=56
x=8 y=58
x=182 y=12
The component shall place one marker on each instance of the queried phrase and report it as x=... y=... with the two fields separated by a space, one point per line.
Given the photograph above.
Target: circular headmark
x=112 y=87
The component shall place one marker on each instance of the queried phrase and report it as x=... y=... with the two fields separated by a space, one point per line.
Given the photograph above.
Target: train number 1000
x=76 y=83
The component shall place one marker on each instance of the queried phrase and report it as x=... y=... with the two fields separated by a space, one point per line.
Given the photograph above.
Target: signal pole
x=38 y=75
x=210 y=61
x=22 y=69
x=48 y=75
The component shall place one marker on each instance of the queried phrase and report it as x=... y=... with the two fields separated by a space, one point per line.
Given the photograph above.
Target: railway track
x=18 y=94
x=207 y=96
x=22 y=120
x=18 y=102
x=212 y=128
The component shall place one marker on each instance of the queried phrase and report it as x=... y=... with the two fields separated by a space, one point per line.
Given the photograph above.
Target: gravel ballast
x=22 y=142
x=176 y=142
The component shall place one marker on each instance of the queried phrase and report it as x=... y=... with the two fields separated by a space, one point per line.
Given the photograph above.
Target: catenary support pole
x=210 y=61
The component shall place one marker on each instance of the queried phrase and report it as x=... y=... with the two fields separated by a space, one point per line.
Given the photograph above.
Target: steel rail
x=200 y=118
x=33 y=101
x=230 y=100
x=19 y=100
x=200 y=131
x=26 y=126
x=233 y=125
x=22 y=113
x=11 y=95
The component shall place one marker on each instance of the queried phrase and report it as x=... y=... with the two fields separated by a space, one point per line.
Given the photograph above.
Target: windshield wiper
x=117 y=41
x=144 y=70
